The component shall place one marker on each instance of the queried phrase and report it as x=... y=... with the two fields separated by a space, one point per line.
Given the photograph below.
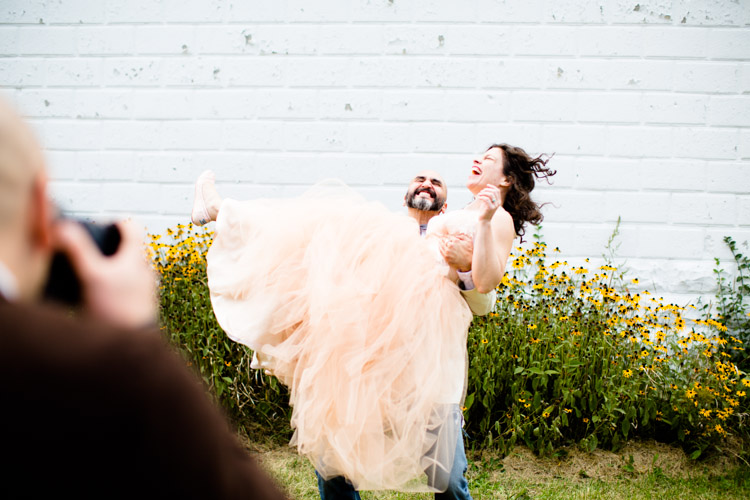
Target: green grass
x=656 y=472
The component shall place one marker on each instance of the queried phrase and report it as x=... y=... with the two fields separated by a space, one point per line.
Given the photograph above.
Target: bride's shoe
x=204 y=194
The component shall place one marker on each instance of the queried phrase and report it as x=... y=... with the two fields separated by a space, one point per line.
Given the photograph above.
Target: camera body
x=63 y=285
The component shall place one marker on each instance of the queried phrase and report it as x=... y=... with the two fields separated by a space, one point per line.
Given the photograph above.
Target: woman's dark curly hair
x=522 y=170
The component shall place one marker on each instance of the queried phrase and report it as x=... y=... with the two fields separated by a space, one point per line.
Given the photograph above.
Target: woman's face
x=486 y=169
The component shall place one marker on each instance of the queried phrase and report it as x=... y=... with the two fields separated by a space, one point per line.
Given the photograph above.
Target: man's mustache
x=423 y=189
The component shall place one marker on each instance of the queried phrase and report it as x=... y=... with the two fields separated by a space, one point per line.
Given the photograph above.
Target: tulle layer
x=344 y=302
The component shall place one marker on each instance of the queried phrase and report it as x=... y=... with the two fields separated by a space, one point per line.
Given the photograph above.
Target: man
x=94 y=404
x=426 y=198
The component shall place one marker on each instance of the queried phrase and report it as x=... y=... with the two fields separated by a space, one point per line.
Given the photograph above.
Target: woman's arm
x=493 y=241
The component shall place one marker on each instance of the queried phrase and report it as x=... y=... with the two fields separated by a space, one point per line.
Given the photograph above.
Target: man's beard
x=419 y=203
x=424 y=204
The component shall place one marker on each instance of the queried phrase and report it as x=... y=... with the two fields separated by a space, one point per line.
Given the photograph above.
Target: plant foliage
x=732 y=302
x=251 y=398
x=570 y=355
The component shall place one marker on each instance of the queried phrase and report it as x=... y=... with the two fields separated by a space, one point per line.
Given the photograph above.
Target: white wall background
x=645 y=103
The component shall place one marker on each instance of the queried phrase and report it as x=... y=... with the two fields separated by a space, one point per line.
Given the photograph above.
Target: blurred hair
x=522 y=170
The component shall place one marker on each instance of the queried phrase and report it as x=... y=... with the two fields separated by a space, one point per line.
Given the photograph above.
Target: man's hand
x=120 y=288
x=457 y=250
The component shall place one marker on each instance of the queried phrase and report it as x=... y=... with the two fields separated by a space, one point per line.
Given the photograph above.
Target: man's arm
x=480 y=304
x=457 y=252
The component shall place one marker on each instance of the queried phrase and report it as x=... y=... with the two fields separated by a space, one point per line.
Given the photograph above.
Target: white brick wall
x=646 y=105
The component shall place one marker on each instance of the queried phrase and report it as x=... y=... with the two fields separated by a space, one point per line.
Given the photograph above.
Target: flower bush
x=252 y=399
x=732 y=304
x=570 y=355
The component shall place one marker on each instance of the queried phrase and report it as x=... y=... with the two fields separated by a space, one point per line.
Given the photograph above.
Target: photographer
x=95 y=404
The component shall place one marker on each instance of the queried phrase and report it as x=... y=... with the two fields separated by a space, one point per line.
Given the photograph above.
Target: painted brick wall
x=645 y=103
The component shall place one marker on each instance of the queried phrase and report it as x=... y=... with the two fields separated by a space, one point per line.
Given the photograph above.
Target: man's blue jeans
x=338 y=488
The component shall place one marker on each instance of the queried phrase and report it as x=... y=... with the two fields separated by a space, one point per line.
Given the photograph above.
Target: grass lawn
x=641 y=470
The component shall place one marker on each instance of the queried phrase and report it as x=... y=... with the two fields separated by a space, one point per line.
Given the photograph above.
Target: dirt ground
x=574 y=464
x=569 y=463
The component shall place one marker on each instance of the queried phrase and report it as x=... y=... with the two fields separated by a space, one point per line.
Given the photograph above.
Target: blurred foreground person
x=95 y=404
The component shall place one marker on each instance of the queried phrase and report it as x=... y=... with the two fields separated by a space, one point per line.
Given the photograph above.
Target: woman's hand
x=489 y=202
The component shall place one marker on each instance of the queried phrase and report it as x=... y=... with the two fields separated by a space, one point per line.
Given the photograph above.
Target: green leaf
x=537 y=401
x=469 y=400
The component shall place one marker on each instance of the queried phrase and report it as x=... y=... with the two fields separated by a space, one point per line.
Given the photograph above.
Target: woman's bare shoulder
x=502 y=218
x=503 y=227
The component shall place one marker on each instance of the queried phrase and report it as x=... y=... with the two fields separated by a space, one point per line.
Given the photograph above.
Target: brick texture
x=645 y=105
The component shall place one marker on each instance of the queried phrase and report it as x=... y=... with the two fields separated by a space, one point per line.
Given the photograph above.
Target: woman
x=360 y=317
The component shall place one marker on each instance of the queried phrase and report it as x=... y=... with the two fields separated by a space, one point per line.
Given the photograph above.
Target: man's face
x=427 y=192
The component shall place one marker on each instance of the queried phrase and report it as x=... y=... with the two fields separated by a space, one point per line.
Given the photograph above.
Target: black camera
x=62 y=284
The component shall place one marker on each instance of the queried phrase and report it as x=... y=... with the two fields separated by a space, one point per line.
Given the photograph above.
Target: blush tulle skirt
x=344 y=302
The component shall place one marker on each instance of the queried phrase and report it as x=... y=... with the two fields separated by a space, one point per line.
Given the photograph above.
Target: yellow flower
x=531 y=327
x=627 y=373
x=690 y=393
x=567 y=410
x=527 y=405
x=740 y=393
x=585 y=420
x=484 y=341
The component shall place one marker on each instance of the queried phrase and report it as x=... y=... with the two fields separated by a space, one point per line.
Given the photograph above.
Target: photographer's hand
x=120 y=288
